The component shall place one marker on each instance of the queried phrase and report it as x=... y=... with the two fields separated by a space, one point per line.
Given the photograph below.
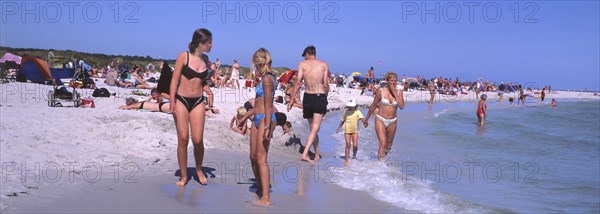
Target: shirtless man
x=218 y=64
x=370 y=76
x=314 y=74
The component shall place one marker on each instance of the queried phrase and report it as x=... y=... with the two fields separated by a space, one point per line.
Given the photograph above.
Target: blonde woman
x=187 y=101
x=264 y=123
x=387 y=100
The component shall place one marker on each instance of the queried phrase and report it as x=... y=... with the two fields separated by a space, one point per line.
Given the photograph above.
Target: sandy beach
x=104 y=159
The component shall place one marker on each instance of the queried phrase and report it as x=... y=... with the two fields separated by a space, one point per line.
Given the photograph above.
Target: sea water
x=525 y=159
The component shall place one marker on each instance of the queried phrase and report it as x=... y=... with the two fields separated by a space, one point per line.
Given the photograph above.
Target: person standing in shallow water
x=314 y=74
x=543 y=94
x=482 y=110
x=387 y=100
x=264 y=123
x=349 y=120
x=521 y=96
x=187 y=101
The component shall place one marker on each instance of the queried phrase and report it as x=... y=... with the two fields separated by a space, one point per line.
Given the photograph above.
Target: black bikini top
x=190 y=73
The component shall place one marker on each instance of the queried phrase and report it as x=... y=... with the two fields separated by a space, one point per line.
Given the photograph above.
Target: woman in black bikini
x=161 y=104
x=193 y=66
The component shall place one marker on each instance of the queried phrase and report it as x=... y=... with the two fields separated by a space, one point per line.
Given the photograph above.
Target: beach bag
x=63 y=93
x=101 y=92
x=21 y=77
x=88 y=103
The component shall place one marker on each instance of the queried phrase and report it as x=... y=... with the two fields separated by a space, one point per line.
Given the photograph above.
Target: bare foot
x=201 y=177
x=181 y=182
x=354 y=157
x=317 y=158
x=262 y=203
x=306 y=158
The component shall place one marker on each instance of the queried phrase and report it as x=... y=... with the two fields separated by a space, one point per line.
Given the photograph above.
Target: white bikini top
x=386 y=102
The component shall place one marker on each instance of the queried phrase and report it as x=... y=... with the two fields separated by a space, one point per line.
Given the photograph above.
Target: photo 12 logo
x=253 y=12
x=453 y=172
x=474 y=11
x=68 y=11
x=52 y=172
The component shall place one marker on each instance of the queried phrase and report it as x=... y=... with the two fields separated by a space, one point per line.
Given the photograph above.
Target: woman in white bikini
x=235 y=75
x=387 y=100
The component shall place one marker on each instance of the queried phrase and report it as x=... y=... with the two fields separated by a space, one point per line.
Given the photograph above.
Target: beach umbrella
x=348 y=80
x=286 y=76
x=359 y=78
x=411 y=79
x=356 y=73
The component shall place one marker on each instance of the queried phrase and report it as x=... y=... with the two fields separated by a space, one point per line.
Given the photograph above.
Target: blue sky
x=546 y=42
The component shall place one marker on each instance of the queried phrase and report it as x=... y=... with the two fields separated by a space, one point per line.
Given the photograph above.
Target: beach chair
x=61 y=93
x=9 y=70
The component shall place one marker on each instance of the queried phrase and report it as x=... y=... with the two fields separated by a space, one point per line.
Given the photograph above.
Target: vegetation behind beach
x=59 y=57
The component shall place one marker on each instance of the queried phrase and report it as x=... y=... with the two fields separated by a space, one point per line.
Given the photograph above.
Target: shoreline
x=105 y=137
x=153 y=190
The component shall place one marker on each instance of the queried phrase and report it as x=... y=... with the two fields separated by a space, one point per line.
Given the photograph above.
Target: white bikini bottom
x=387 y=122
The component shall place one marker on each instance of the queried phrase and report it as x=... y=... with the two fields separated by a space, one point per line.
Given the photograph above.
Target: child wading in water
x=482 y=110
x=351 y=117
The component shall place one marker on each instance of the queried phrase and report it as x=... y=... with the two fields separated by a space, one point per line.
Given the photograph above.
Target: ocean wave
x=387 y=183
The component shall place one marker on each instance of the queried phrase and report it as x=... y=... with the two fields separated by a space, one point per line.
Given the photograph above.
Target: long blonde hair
x=262 y=60
x=390 y=75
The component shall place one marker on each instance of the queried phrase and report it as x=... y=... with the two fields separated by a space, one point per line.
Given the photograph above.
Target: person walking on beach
x=370 y=78
x=482 y=110
x=264 y=123
x=314 y=74
x=235 y=75
x=387 y=101
x=187 y=101
x=349 y=120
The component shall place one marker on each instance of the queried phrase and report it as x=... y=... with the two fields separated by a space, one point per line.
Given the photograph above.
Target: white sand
x=70 y=145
